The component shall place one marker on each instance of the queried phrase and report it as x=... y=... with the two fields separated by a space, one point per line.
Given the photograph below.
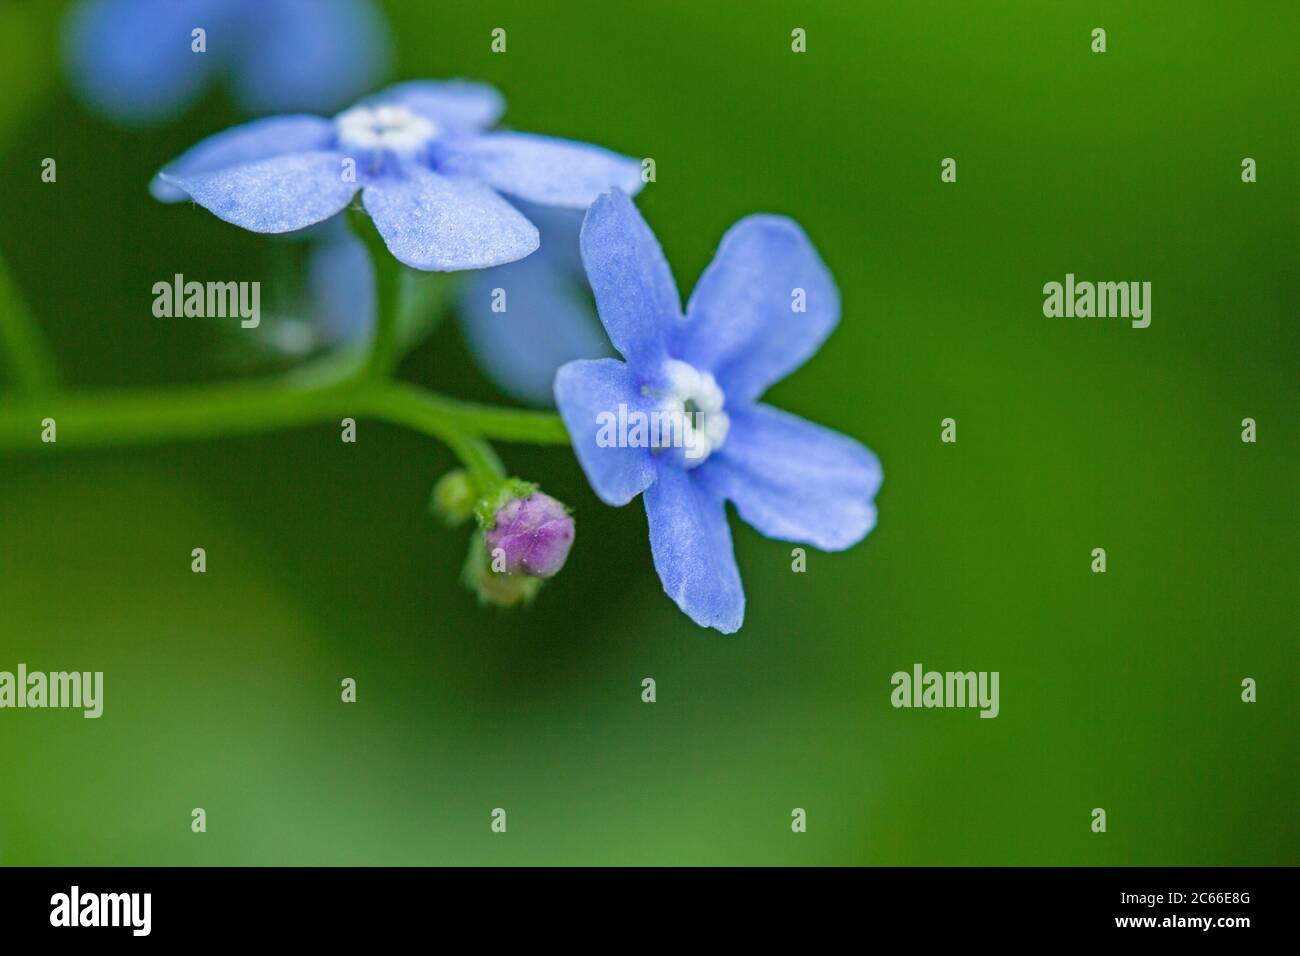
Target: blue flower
x=548 y=316
x=134 y=61
x=702 y=373
x=430 y=174
x=340 y=286
x=549 y=320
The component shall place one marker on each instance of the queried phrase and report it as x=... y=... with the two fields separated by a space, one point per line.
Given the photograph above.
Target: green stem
x=444 y=419
x=29 y=365
x=308 y=397
x=149 y=416
x=384 y=352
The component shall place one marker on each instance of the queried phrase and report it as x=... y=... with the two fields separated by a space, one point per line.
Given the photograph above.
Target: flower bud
x=453 y=498
x=503 y=590
x=528 y=535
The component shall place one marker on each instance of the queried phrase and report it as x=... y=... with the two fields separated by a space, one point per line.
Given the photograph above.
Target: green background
x=1119 y=690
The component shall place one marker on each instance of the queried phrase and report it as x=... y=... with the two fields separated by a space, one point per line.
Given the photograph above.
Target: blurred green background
x=1119 y=691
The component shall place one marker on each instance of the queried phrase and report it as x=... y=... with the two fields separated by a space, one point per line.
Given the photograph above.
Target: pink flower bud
x=530 y=536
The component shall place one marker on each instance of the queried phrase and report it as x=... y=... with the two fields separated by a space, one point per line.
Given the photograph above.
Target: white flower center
x=384 y=129
x=694 y=397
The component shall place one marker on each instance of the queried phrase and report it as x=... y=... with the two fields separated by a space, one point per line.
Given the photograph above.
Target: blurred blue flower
x=762 y=308
x=548 y=316
x=429 y=173
x=133 y=61
x=318 y=296
x=340 y=286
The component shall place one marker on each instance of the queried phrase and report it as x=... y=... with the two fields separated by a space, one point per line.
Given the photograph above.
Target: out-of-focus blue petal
x=132 y=61
x=260 y=139
x=279 y=194
x=542 y=169
x=635 y=292
x=794 y=480
x=741 y=322
x=559 y=229
x=692 y=550
x=458 y=106
x=315 y=55
x=586 y=390
x=341 y=282
x=440 y=224
x=549 y=320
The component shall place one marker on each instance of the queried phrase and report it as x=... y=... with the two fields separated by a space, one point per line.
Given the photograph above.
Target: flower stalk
x=157 y=415
x=175 y=413
x=384 y=351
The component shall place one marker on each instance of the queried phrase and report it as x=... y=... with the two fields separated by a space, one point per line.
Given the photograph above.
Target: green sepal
x=453 y=498
x=497 y=498
x=491 y=587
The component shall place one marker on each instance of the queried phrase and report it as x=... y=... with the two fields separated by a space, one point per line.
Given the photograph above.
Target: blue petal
x=583 y=391
x=794 y=480
x=341 y=281
x=316 y=55
x=549 y=320
x=131 y=60
x=635 y=292
x=559 y=229
x=279 y=194
x=441 y=224
x=741 y=322
x=542 y=169
x=260 y=139
x=692 y=550
x=458 y=106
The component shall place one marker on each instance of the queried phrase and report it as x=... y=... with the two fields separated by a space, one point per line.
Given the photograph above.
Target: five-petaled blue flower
x=135 y=61
x=741 y=332
x=429 y=173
